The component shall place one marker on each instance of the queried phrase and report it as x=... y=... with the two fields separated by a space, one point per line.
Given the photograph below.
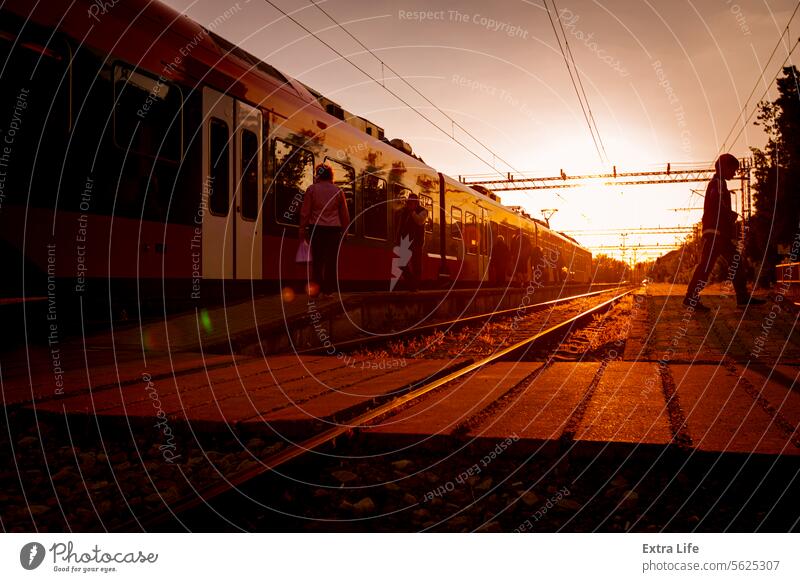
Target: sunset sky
x=666 y=82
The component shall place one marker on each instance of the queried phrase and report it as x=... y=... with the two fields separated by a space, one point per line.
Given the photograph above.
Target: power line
x=395 y=95
x=788 y=56
x=653 y=230
x=572 y=79
x=760 y=77
x=384 y=65
x=580 y=83
x=453 y=122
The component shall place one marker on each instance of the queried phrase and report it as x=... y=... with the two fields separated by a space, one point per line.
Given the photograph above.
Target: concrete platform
x=39 y=374
x=444 y=411
x=723 y=417
x=663 y=329
x=624 y=409
x=644 y=417
x=730 y=392
x=289 y=393
x=732 y=376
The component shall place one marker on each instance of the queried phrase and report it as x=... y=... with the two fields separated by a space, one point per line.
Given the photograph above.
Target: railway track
x=516 y=347
x=518 y=313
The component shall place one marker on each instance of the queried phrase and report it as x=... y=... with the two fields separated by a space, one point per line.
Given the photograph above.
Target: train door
x=218 y=228
x=483 y=244
x=248 y=192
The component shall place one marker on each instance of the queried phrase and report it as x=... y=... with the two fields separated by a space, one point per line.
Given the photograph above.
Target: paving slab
x=542 y=411
x=363 y=386
x=98 y=370
x=627 y=406
x=781 y=388
x=119 y=400
x=295 y=390
x=443 y=411
x=722 y=417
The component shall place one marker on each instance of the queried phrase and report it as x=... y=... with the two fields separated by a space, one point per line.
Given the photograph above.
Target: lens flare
x=205 y=321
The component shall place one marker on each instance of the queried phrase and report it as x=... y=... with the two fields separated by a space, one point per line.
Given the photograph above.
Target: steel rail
x=274 y=461
x=453 y=323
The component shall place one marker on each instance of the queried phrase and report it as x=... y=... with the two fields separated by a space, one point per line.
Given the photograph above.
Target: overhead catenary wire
x=580 y=84
x=784 y=32
x=393 y=93
x=384 y=65
x=764 y=94
x=572 y=79
x=453 y=122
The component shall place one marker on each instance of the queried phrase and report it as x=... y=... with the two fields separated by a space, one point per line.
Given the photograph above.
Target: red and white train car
x=145 y=157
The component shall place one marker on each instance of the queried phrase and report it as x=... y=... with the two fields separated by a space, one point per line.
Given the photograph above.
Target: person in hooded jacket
x=719 y=238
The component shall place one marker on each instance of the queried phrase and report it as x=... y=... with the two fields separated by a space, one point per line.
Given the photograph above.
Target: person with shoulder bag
x=323 y=220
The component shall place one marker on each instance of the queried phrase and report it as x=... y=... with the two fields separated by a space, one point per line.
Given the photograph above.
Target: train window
x=456 y=222
x=471 y=232
x=148 y=115
x=294 y=173
x=34 y=116
x=375 y=196
x=345 y=177
x=249 y=173
x=219 y=172
x=427 y=203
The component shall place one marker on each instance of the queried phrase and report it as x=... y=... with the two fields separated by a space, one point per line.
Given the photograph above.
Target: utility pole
x=623 y=236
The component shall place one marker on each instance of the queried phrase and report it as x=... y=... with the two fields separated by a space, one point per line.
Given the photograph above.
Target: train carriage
x=151 y=159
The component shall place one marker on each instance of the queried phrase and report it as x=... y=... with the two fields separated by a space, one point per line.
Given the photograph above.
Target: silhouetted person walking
x=719 y=235
x=520 y=258
x=325 y=210
x=498 y=263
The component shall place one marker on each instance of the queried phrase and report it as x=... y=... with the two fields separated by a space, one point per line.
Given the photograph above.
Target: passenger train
x=144 y=155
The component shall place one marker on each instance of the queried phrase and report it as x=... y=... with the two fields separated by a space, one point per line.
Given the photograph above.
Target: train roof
x=212 y=60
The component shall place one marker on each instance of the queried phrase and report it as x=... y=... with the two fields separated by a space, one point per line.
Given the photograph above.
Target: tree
x=608 y=270
x=776 y=220
x=677 y=266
